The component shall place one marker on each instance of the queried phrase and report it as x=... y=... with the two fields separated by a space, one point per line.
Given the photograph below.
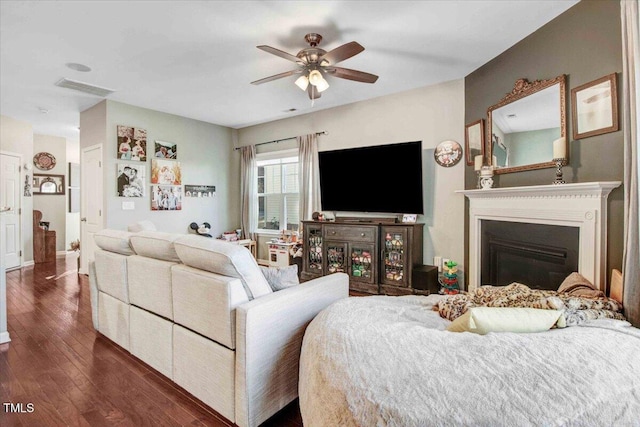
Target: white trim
x=4 y=337
x=582 y=205
x=270 y=155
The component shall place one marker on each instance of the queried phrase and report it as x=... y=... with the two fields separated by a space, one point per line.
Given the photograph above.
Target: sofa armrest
x=269 y=333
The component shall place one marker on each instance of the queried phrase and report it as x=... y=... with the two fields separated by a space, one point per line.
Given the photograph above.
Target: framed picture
x=48 y=184
x=474 y=140
x=409 y=218
x=132 y=143
x=594 y=107
x=130 y=179
x=166 y=150
x=199 y=190
x=166 y=197
x=165 y=172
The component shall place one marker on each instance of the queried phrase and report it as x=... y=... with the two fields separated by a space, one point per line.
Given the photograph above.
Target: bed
x=389 y=361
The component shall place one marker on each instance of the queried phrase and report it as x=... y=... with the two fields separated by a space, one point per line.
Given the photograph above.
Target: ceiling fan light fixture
x=322 y=85
x=302 y=82
x=315 y=77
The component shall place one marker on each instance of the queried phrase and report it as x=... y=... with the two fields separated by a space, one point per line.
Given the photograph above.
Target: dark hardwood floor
x=63 y=373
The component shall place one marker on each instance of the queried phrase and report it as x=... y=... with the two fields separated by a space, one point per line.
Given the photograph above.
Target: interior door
x=10 y=202
x=90 y=202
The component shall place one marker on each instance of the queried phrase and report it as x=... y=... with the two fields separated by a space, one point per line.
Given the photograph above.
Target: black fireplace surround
x=540 y=256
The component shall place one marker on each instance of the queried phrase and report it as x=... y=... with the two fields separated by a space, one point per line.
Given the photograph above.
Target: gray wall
x=205 y=153
x=584 y=43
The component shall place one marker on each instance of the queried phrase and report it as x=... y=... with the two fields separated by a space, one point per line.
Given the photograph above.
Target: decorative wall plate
x=448 y=153
x=44 y=161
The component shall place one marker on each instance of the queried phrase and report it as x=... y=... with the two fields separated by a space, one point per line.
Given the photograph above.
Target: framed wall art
x=594 y=107
x=448 y=153
x=165 y=172
x=474 y=140
x=199 y=190
x=132 y=143
x=130 y=179
x=166 y=197
x=166 y=150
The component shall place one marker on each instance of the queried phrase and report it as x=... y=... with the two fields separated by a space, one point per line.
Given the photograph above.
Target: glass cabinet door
x=335 y=257
x=313 y=240
x=362 y=265
x=394 y=264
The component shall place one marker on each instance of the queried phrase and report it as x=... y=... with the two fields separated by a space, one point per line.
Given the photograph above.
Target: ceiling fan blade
x=276 y=77
x=313 y=92
x=281 y=54
x=355 y=75
x=341 y=53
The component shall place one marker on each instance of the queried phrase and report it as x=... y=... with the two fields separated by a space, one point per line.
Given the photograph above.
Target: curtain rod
x=324 y=132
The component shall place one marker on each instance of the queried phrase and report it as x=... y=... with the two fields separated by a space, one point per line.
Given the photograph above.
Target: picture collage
x=166 y=175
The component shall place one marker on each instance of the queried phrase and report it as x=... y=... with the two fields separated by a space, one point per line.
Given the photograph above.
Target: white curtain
x=309 y=175
x=630 y=123
x=249 y=195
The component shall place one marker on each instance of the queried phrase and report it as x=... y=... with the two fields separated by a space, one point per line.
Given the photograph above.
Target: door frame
x=84 y=263
x=20 y=204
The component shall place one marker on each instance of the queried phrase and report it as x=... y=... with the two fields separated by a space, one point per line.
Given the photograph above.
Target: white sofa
x=200 y=311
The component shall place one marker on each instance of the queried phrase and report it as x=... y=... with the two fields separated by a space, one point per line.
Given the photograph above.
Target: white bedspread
x=388 y=361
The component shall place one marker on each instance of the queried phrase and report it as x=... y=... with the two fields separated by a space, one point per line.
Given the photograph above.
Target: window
x=278 y=198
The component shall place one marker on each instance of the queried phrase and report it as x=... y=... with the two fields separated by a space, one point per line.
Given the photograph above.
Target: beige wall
x=17 y=137
x=53 y=206
x=430 y=114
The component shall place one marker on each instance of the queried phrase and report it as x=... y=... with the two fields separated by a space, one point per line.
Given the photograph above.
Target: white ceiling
x=197 y=58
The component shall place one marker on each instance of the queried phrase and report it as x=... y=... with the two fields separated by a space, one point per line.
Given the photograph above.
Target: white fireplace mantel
x=582 y=205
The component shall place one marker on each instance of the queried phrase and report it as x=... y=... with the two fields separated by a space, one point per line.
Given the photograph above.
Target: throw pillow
x=482 y=320
x=578 y=286
x=281 y=277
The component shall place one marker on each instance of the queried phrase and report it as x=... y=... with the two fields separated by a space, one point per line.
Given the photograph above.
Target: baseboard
x=4 y=337
x=28 y=263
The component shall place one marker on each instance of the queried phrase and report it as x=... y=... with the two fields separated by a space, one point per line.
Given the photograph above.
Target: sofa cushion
x=150 y=284
x=206 y=302
x=223 y=258
x=111 y=274
x=114 y=241
x=281 y=277
x=155 y=244
x=144 y=225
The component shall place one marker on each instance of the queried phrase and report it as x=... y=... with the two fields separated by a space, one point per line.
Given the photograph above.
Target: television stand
x=378 y=256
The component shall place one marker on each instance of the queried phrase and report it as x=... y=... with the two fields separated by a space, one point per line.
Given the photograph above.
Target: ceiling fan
x=313 y=62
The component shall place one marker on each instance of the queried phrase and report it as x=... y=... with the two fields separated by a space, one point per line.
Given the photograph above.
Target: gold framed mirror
x=523 y=125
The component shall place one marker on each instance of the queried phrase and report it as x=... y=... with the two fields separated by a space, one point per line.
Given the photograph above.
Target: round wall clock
x=448 y=153
x=44 y=161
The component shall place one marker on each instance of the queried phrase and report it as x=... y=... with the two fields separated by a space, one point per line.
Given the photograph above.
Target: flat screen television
x=377 y=179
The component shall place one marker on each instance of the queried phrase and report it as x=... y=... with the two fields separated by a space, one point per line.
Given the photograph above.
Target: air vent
x=84 y=87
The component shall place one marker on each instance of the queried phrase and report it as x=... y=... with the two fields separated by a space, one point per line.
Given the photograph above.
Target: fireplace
x=537 y=255
x=581 y=207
